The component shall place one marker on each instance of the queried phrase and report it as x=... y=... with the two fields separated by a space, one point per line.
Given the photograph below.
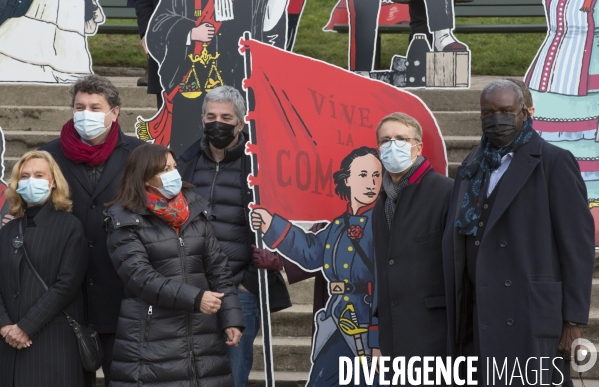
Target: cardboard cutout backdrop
x=438 y=60
x=294 y=13
x=313 y=141
x=196 y=43
x=390 y=13
x=3 y=201
x=564 y=82
x=45 y=41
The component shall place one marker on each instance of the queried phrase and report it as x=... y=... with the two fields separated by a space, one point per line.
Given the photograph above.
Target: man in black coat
x=218 y=167
x=91 y=153
x=408 y=223
x=518 y=247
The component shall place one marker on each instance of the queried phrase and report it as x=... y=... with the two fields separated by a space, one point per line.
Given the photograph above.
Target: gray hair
x=226 y=94
x=504 y=85
x=96 y=84
x=405 y=119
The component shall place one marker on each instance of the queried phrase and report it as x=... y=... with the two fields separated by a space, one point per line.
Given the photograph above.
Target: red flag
x=308 y=116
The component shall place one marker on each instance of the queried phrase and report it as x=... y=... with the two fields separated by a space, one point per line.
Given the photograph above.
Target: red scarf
x=175 y=212
x=79 y=152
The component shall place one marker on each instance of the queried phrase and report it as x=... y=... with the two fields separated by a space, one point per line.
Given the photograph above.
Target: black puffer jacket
x=224 y=185
x=161 y=337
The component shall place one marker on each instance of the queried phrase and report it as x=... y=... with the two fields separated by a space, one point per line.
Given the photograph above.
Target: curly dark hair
x=339 y=177
x=96 y=84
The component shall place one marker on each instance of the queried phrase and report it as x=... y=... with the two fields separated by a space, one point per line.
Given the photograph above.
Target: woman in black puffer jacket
x=180 y=301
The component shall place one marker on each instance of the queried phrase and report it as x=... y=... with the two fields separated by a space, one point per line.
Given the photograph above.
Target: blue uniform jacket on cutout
x=332 y=251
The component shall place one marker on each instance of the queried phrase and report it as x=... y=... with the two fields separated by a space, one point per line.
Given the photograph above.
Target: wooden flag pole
x=269 y=374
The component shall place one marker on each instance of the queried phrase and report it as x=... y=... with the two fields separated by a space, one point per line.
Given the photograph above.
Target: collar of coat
x=121 y=217
x=43 y=217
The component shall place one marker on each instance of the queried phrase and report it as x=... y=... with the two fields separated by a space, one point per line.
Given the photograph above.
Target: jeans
x=242 y=356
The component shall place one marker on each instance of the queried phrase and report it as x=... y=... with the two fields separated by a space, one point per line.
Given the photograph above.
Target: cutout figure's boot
x=444 y=41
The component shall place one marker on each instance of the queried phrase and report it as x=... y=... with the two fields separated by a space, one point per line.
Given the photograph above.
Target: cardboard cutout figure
x=45 y=41
x=390 y=13
x=294 y=13
x=3 y=186
x=313 y=141
x=196 y=44
x=564 y=83
x=442 y=63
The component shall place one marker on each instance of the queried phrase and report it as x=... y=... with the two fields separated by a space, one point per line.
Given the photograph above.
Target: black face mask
x=219 y=134
x=500 y=129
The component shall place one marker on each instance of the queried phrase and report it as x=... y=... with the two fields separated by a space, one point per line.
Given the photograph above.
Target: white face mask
x=90 y=125
x=34 y=191
x=396 y=158
x=171 y=184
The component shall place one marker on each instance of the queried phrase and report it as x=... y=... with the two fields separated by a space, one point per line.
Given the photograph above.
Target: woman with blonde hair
x=45 y=240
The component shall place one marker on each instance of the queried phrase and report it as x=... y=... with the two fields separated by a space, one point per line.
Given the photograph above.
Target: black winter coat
x=224 y=185
x=58 y=251
x=410 y=292
x=534 y=267
x=162 y=338
x=103 y=288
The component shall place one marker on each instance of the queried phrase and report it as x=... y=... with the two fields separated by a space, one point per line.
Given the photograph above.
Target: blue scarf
x=478 y=172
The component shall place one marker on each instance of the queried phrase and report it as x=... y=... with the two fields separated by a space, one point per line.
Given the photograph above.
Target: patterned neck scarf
x=478 y=171
x=414 y=175
x=175 y=212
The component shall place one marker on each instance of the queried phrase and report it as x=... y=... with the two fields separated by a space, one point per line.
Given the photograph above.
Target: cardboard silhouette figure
x=314 y=159
x=45 y=41
x=3 y=186
x=444 y=62
x=564 y=83
x=196 y=44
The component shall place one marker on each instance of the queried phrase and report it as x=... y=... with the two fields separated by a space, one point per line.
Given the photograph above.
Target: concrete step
x=58 y=95
x=301 y=293
x=296 y=321
x=291 y=354
x=52 y=118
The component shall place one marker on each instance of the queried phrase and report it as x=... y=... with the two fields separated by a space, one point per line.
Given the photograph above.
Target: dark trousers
x=440 y=16
x=364 y=16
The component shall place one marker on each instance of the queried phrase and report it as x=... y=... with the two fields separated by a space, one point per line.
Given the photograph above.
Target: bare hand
x=261 y=219
x=569 y=334
x=4 y=330
x=16 y=338
x=7 y=218
x=210 y=303
x=143 y=45
x=233 y=337
x=203 y=33
x=376 y=352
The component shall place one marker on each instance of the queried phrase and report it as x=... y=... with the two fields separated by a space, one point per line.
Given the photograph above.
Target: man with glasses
x=408 y=224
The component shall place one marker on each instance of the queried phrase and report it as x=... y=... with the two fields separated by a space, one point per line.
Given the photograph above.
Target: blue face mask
x=34 y=191
x=90 y=125
x=395 y=158
x=171 y=184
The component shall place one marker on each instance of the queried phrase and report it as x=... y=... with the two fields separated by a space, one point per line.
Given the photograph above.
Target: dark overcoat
x=103 y=287
x=535 y=262
x=58 y=251
x=410 y=292
x=162 y=338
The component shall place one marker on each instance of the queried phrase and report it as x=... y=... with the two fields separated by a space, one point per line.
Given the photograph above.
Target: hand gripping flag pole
x=269 y=375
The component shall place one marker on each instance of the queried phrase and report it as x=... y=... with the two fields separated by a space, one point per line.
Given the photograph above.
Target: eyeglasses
x=404 y=142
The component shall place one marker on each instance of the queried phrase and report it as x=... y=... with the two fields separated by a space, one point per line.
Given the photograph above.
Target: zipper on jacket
x=213 y=183
x=183 y=256
x=148 y=323
x=193 y=368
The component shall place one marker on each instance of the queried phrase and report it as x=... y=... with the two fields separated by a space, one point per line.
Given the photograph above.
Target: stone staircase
x=33 y=115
